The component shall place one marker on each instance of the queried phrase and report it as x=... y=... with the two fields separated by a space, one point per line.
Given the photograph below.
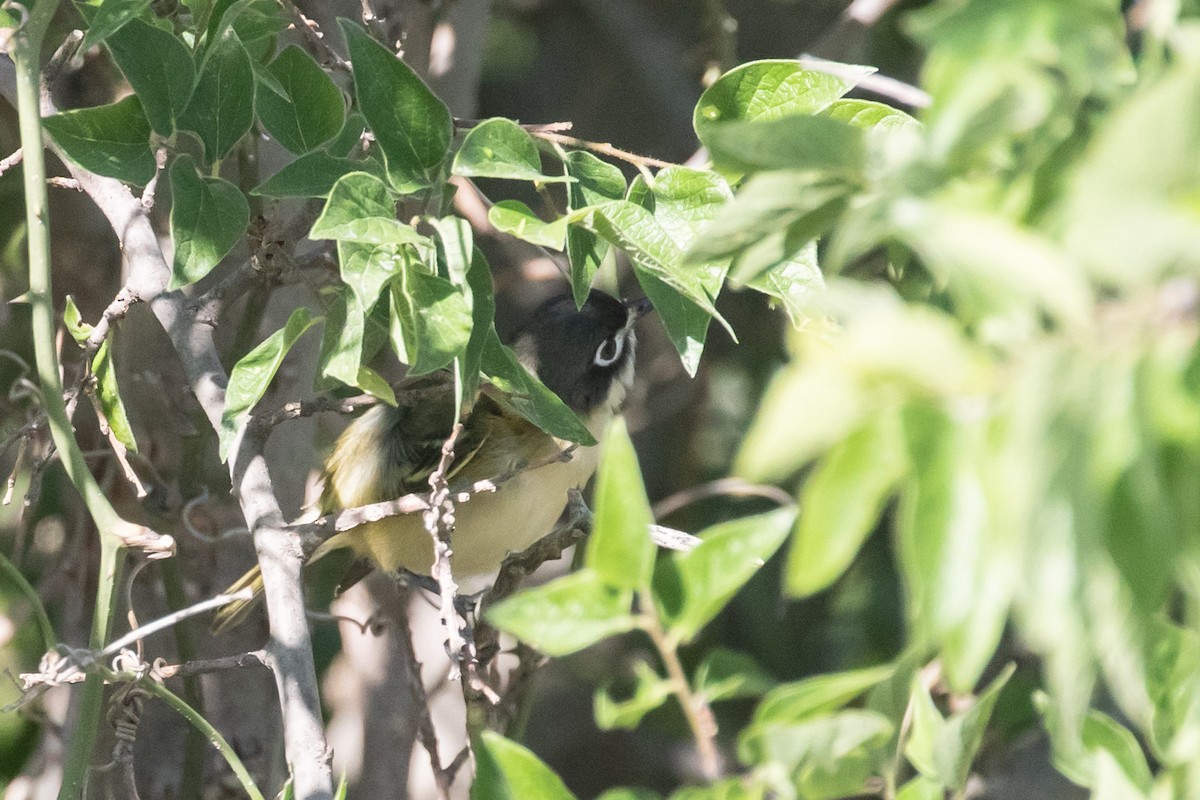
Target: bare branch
x=315 y=37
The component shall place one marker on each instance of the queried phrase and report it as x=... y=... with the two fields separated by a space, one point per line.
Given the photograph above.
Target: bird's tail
x=234 y=614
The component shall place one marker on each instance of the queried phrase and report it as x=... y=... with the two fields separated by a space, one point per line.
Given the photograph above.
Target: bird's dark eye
x=609 y=351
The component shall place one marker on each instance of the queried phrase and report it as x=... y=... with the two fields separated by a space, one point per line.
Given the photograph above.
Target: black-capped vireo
x=585 y=356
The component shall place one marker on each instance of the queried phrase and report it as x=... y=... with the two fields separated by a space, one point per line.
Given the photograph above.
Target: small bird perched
x=585 y=356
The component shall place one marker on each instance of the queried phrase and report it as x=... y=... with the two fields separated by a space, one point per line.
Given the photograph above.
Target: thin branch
x=160 y=161
x=316 y=38
x=11 y=160
x=723 y=487
x=426 y=733
x=603 y=148
x=695 y=708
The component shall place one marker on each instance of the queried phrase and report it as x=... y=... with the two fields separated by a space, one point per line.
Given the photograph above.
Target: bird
x=584 y=355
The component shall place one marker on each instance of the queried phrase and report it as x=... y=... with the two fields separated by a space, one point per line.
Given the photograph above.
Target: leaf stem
x=695 y=708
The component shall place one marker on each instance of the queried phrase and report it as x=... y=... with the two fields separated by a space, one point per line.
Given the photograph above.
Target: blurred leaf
x=798 y=205
x=944 y=749
x=1076 y=759
x=311 y=112
x=109 y=17
x=691 y=588
x=943 y=528
x=739 y=788
x=1015 y=266
x=625 y=793
x=841 y=502
x=159 y=69
x=813 y=697
x=252 y=375
x=507 y=771
x=517 y=219
x=1113 y=782
x=792 y=282
x=312 y=175
x=1173 y=681
x=111 y=140
x=110 y=396
x=595 y=182
x=528 y=396
x=565 y=615
x=434 y=319
x=728 y=675
x=829 y=757
x=822 y=145
x=411 y=125
x=221 y=109
x=619 y=549
x=208 y=217
x=651 y=690
x=765 y=90
x=921 y=788
x=500 y=148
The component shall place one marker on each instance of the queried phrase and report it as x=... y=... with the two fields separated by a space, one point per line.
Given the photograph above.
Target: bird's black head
x=584 y=355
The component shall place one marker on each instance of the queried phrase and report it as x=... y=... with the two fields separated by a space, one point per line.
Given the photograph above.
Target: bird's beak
x=638 y=308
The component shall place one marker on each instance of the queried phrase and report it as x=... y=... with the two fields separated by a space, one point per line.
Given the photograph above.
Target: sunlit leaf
x=650 y=691
x=528 y=396
x=221 y=109
x=159 y=68
x=252 y=375
x=565 y=615
x=620 y=549
x=500 y=148
x=692 y=587
x=311 y=112
x=507 y=771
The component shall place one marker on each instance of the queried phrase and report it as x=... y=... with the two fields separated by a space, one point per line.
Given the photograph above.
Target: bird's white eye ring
x=609 y=351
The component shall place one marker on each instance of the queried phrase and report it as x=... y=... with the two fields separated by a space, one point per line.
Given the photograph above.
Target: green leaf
x=360 y=209
x=158 y=67
x=765 y=90
x=528 y=396
x=312 y=111
x=111 y=140
x=467 y=269
x=1173 y=681
x=434 y=319
x=312 y=175
x=620 y=549
x=595 y=182
x=626 y=793
x=565 y=615
x=500 y=148
x=252 y=375
x=743 y=787
x=944 y=749
x=507 y=771
x=691 y=588
x=817 y=144
x=517 y=219
x=921 y=788
x=411 y=125
x=869 y=115
x=221 y=110
x=685 y=321
x=792 y=282
x=814 y=697
x=350 y=336
x=685 y=200
x=800 y=205
x=841 y=502
x=110 y=397
x=73 y=320
x=208 y=217
x=651 y=690
x=828 y=757
x=727 y=675
x=367 y=268
x=109 y=17
x=1074 y=757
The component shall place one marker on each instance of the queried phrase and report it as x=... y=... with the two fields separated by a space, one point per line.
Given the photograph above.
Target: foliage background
x=1032 y=362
